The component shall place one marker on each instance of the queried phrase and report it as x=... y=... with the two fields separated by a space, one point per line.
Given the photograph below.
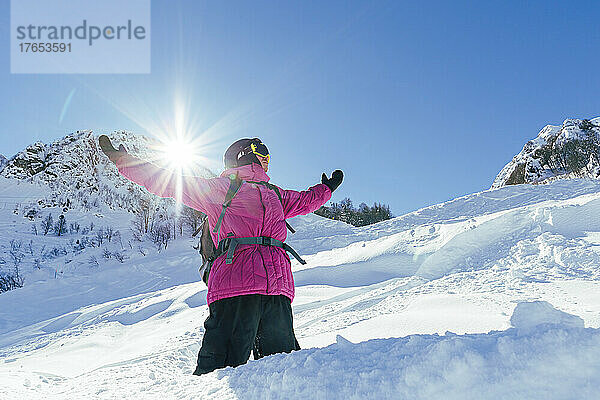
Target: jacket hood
x=250 y=172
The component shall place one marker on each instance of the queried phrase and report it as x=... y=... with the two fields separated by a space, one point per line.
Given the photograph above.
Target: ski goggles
x=260 y=150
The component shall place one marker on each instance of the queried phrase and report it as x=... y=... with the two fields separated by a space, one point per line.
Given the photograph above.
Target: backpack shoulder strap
x=235 y=183
x=276 y=190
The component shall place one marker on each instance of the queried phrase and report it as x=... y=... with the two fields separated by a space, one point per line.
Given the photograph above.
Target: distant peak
x=570 y=150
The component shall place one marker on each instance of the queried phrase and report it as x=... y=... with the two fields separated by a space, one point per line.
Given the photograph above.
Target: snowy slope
x=416 y=307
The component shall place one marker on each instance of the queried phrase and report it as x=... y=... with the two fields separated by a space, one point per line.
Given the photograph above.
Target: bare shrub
x=47 y=224
x=11 y=280
x=93 y=262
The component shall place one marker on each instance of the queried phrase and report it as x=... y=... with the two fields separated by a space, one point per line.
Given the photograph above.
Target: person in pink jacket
x=250 y=285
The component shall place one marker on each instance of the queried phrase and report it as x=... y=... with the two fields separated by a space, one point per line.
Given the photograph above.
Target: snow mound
x=550 y=362
x=529 y=315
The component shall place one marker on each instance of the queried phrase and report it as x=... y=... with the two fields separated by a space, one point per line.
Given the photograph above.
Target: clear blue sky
x=418 y=102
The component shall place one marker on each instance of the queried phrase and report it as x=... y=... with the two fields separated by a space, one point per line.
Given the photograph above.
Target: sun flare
x=179 y=154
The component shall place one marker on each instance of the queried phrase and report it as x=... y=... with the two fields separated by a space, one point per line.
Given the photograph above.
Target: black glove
x=334 y=181
x=108 y=149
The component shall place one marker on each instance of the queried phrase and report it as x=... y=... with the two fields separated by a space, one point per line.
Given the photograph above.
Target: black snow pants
x=239 y=325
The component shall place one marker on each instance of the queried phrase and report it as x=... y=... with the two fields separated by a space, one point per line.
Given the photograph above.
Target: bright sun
x=179 y=154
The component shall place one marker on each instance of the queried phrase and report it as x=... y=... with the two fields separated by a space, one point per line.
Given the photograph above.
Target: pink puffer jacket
x=254 y=211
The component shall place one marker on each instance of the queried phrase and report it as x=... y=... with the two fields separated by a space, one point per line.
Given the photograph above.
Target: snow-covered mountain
x=77 y=172
x=571 y=150
x=491 y=295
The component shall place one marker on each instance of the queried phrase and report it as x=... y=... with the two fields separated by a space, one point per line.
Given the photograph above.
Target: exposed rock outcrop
x=571 y=150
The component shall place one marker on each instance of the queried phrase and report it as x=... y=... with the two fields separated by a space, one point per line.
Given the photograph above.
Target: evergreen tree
x=364 y=215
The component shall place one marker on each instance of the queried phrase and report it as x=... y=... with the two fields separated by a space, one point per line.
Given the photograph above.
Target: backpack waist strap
x=228 y=245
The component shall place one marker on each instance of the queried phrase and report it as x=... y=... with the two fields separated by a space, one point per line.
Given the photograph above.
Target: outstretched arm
x=307 y=201
x=194 y=192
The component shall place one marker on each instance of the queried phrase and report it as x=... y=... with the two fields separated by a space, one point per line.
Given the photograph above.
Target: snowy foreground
x=494 y=295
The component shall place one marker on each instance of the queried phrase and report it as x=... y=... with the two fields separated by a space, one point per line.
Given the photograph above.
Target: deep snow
x=445 y=302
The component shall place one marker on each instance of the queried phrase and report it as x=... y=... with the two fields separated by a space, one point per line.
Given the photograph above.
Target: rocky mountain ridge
x=571 y=150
